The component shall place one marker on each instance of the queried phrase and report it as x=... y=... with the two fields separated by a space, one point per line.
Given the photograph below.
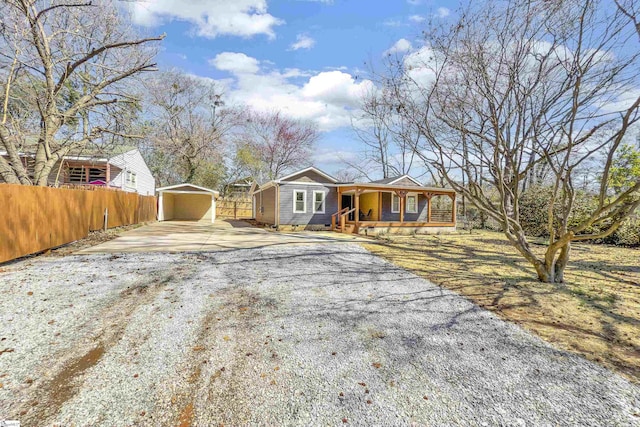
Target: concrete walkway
x=193 y=236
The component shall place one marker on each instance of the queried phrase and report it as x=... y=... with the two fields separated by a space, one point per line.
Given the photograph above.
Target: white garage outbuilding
x=186 y=202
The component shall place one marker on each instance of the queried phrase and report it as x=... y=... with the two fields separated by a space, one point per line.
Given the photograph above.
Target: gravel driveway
x=318 y=334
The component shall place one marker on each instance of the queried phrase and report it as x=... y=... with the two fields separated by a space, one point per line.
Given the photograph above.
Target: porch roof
x=345 y=188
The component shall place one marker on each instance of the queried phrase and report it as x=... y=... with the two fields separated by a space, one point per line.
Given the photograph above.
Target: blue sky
x=305 y=57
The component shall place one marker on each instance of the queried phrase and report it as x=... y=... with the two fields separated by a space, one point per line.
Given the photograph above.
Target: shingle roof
x=387 y=180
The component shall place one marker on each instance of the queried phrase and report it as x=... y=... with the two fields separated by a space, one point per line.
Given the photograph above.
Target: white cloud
x=443 y=12
x=211 y=18
x=326 y=97
x=401 y=46
x=393 y=23
x=335 y=87
x=419 y=65
x=414 y=2
x=235 y=63
x=417 y=18
x=303 y=41
x=340 y=68
x=333 y=156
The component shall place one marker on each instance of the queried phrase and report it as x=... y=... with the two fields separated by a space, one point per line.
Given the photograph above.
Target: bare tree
x=273 y=144
x=64 y=69
x=389 y=140
x=520 y=85
x=187 y=124
x=347 y=174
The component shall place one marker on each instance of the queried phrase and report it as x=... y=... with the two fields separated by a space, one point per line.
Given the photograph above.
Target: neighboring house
x=122 y=168
x=311 y=197
x=240 y=189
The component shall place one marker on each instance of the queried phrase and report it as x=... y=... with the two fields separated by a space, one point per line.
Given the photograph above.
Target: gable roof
x=186 y=188
x=312 y=169
x=284 y=178
x=394 y=179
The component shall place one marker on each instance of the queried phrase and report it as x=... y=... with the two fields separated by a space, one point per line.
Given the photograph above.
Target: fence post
x=106 y=218
x=235 y=209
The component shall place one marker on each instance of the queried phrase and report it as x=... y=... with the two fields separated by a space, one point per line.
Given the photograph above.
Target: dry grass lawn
x=596 y=313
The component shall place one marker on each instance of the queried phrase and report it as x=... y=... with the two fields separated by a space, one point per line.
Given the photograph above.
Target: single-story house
x=122 y=168
x=312 y=198
x=186 y=202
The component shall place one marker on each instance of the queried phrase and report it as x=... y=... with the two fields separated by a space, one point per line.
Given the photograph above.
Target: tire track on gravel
x=51 y=394
x=228 y=350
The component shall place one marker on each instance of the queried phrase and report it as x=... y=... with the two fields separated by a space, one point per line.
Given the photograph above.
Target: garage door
x=192 y=206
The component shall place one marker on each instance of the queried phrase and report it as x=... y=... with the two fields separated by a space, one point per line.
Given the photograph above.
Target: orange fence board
x=234 y=208
x=38 y=218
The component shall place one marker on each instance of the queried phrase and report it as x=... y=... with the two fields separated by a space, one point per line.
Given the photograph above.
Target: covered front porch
x=383 y=208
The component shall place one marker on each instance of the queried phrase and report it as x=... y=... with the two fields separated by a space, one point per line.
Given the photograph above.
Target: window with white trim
x=395 y=203
x=412 y=204
x=131 y=179
x=318 y=201
x=299 y=201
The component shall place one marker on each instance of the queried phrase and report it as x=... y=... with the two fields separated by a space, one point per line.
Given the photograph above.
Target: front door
x=347 y=202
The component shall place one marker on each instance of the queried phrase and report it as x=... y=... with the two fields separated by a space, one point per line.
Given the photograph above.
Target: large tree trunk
x=551 y=269
x=556 y=259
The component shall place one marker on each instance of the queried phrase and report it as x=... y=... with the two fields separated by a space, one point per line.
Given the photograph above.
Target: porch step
x=349 y=229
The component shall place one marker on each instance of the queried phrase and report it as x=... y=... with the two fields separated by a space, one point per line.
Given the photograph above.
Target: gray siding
x=288 y=217
x=387 y=215
x=309 y=176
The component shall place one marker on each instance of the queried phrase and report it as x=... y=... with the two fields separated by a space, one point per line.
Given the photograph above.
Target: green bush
x=627 y=235
x=533 y=208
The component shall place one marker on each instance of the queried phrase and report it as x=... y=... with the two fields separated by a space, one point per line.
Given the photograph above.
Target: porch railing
x=335 y=216
x=343 y=218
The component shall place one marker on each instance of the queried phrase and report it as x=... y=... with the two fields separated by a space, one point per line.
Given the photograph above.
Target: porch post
x=339 y=199
x=428 y=196
x=402 y=194
x=108 y=176
x=453 y=208
x=357 y=207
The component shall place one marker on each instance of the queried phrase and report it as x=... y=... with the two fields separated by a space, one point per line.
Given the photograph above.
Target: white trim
x=310 y=168
x=392 y=196
x=402 y=177
x=416 y=204
x=304 y=200
x=197 y=187
x=307 y=183
x=161 y=207
x=324 y=199
x=186 y=192
x=131 y=179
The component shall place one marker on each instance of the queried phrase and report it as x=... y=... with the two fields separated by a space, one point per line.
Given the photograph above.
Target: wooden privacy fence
x=38 y=218
x=230 y=208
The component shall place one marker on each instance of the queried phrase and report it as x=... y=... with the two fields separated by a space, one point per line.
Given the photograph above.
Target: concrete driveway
x=197 y=236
